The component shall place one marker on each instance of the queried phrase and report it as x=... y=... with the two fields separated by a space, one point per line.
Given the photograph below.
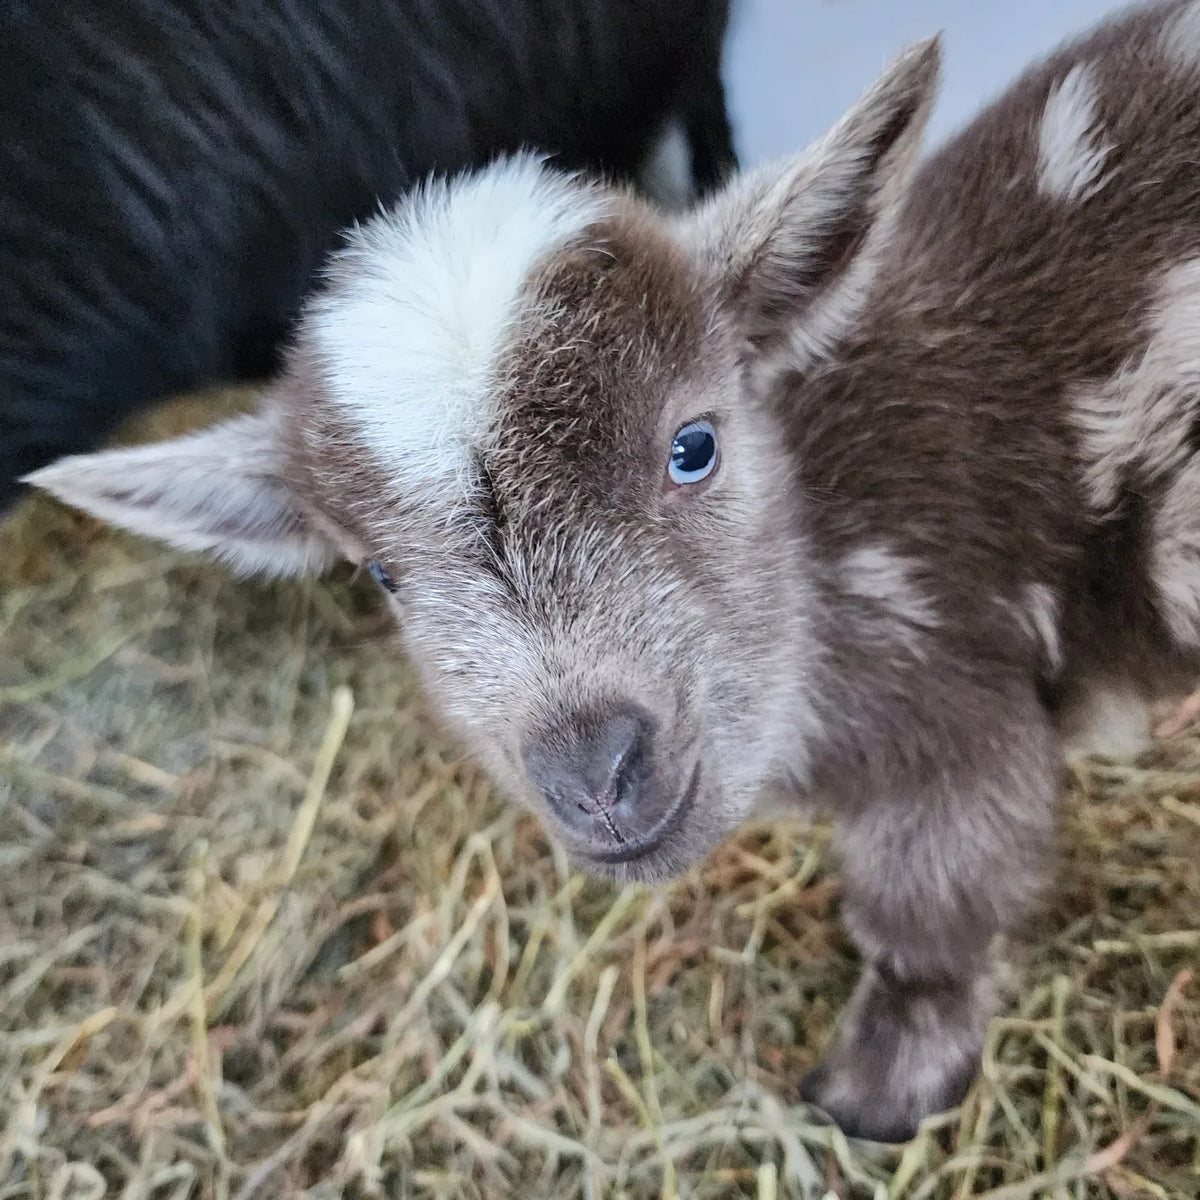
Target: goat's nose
x=591 y=768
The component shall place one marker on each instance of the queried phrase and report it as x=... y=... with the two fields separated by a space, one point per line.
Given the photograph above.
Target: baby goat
x=861 y=480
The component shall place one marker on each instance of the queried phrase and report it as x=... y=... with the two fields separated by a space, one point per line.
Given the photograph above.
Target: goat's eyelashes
x=381 y=577
x=693 y=453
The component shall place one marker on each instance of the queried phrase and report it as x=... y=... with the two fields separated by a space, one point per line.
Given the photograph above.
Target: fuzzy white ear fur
x=220 y=492
x=793 y=246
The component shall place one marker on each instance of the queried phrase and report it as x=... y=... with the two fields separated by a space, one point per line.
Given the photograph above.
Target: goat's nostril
x=589 y=768
x=625 y=771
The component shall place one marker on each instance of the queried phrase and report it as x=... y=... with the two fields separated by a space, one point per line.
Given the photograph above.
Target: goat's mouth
x=667 y=826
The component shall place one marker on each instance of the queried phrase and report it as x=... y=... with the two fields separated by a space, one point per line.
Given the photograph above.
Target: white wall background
x=793 y=66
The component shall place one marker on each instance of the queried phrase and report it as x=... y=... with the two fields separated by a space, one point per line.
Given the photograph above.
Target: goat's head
x=536 y=409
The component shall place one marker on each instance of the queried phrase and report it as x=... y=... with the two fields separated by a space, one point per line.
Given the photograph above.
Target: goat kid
x=865 y=480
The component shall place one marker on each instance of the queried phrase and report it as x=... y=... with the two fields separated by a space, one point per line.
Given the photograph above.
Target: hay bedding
x=263 y=934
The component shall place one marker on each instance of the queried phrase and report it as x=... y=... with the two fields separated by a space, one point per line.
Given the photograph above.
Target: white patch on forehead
x=1070 y=158
x=410 y=338
x=1179 y=39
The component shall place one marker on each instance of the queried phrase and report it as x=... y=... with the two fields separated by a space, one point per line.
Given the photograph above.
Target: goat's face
x=603 y=596
x=534 y=408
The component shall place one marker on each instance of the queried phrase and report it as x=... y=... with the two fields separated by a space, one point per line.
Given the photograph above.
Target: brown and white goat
x=862 y=480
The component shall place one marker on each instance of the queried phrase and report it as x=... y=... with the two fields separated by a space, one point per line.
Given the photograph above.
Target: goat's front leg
x=929 y=880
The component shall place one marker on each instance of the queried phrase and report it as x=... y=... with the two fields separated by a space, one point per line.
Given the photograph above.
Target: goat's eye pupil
x=693 y=453
x=381 y=577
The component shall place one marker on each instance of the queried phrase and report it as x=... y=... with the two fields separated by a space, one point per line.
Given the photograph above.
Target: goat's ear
x=793 y=246
x=221 y=492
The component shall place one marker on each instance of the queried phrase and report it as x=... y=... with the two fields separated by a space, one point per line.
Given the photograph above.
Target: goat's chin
x=673 y=856
x=665 y=862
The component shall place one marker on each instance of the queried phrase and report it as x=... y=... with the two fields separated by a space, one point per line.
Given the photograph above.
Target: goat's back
x=1028 y=366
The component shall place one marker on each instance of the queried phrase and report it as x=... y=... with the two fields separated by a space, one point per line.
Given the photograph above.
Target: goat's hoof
x=883 y=1106
x=858 y=1112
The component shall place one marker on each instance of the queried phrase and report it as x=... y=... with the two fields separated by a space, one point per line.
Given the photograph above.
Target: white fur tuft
x=1180 y=37
x=888 y=579
x=410 y=339
x=1140 y=421
x=1040 y=616
x=1069 y=157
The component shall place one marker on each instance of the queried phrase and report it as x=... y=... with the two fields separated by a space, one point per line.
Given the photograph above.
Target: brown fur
x=956 y=413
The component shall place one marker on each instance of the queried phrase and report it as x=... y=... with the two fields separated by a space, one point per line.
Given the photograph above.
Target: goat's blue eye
x=381 y=577
x=693 y=453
